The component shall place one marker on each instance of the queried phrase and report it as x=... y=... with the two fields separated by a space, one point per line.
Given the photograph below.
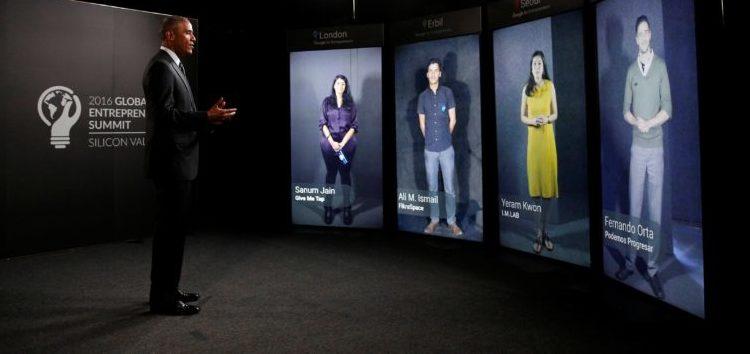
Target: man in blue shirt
x=437 y=119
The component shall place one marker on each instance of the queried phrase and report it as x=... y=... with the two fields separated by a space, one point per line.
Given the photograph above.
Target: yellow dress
x=541 y=151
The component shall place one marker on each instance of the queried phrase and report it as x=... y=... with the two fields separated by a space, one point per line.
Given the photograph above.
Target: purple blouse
x=338 y=120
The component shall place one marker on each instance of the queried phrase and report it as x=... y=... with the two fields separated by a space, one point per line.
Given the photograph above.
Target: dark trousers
x=174 y=200
x=333 y=167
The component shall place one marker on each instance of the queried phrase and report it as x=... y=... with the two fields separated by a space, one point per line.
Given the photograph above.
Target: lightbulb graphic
x=54 y=107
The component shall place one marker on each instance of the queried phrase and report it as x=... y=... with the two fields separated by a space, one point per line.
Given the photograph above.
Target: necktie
x=183 y=69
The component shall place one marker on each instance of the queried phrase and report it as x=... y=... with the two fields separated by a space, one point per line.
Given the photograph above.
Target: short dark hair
x=640 y=20
x=170 y=23
x=436 y=61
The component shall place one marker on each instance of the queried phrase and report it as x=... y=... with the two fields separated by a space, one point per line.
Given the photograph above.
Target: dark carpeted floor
x=317 y=291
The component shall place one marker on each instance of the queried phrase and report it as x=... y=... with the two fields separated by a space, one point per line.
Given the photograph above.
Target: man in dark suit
x=172 y=134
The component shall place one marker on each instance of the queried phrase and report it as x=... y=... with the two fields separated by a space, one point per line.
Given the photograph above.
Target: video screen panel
x=540 y=99
x=438 y=137
x=650 y=149
x=336 y=141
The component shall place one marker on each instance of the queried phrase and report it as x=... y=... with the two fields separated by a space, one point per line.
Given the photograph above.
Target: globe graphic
x=54 y=103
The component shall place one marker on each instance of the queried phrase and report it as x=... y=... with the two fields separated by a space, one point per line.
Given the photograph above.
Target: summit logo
x=59 y=108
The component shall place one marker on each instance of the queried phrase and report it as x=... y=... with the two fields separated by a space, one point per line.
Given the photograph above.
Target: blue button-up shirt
x=435 y=106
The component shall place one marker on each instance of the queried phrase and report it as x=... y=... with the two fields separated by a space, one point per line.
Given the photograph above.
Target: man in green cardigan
x=647 y=106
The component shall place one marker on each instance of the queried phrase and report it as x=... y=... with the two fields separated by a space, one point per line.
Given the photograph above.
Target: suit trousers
x=174 y=199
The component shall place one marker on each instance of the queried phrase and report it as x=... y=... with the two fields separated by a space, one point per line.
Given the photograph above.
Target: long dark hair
x=531 y=83
x=347 y=96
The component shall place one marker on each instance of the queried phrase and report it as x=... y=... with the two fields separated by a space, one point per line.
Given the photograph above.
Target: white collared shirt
x=171 y=54
x=644 y=61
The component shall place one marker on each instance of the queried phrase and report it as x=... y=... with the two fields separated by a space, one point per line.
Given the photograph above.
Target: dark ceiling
x=298 y=14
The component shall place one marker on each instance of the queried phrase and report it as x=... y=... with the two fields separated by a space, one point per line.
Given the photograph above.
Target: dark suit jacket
x=172 y=121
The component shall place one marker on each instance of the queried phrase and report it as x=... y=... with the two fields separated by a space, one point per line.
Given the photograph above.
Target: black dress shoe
x=623 y=274
x=176 y=308
x=348 y=216
x=187 y=297
x=656 y=286
x=328 y=215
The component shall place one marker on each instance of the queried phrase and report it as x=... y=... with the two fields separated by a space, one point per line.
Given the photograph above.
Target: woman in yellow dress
x=538 y=112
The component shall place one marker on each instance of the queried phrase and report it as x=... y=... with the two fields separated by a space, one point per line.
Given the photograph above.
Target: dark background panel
x=4 y=107
x=718 y=30
x=81 y=194
x=567 y=43
x=56 y=198
x=683 y=139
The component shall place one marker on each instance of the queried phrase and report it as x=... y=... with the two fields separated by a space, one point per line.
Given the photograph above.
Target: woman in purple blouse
x=338 y=125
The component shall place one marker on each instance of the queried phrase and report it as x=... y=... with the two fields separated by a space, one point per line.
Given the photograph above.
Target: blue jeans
x=646 y=174
x=445 y=162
